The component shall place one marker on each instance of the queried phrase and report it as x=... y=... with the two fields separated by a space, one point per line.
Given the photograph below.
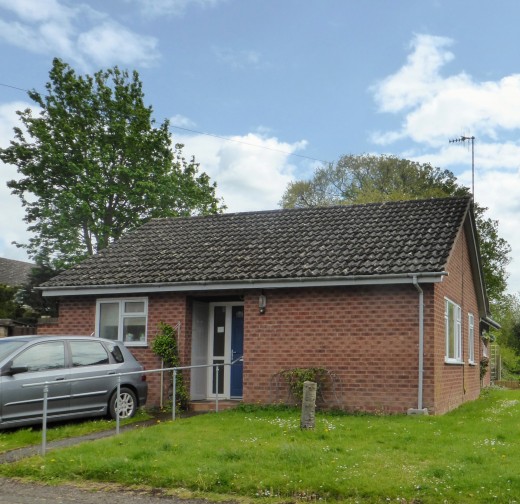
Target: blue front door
x=226 y=345
x=237 y=350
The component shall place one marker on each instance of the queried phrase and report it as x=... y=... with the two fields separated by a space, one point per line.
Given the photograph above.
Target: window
x=88 y=353
x=452 y=319
x=42 y=357
x=471 y=338
x=116 y=353
x=122 y=320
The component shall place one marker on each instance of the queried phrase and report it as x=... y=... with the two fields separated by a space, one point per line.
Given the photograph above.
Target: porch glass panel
x=219 y=335
x=220 y=376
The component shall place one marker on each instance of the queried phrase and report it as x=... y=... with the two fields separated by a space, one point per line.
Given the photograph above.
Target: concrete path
x=16 y=492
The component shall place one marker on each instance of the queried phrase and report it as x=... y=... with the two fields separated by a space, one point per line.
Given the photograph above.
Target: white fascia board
x=407 y=278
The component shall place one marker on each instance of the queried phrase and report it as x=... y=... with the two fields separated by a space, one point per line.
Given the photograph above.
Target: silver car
x=35 y=359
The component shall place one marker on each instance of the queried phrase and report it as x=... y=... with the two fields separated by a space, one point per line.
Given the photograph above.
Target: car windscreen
x=6 y=347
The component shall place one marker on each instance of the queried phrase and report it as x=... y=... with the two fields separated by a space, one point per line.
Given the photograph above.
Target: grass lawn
x=27 y=436
x=469 y=455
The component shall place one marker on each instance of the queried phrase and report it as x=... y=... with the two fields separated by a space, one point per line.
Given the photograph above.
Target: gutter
x=204 y=285
x=420 y=410
x=490 y=322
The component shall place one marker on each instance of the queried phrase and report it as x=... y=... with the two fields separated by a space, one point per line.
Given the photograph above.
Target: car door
x=89 y=359
x=41 y=362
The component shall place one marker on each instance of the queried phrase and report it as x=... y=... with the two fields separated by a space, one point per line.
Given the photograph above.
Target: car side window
x=42 y=357
x=88 y=353
x=116 y=353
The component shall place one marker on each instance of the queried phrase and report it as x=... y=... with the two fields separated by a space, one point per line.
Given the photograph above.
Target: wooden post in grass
x=308 y=405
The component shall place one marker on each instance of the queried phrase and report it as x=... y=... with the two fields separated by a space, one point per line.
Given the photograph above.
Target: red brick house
x=388 y=298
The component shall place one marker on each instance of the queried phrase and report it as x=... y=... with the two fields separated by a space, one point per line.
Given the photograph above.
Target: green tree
x=94 y=165
x=508 y=337
x=9 y=307
x=28 y=295
x=369 y=179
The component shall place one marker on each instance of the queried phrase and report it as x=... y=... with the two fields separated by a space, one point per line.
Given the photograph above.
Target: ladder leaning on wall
x=495 y=362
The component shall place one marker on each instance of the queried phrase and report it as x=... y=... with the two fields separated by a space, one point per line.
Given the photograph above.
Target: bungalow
x=387 y=299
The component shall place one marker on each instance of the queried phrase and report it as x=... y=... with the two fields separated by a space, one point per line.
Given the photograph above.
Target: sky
x=262 y=92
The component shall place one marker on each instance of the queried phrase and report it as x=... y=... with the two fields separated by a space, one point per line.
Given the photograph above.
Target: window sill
x=135 y=343
x=472 y=363
x=453 y=362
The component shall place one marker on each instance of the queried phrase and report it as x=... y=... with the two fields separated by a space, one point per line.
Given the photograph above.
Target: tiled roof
x=13 y=272
x=327 y=242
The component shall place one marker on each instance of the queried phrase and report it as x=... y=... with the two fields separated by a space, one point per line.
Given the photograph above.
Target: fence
x=509 y=384
x=173 y=370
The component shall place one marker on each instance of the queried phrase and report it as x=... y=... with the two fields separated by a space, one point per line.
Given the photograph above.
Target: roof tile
x=341 y=241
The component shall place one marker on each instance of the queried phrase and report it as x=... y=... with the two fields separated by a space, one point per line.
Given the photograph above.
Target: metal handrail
x=174 y=370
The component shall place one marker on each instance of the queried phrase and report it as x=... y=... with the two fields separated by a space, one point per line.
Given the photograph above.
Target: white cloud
x=24 y=36
x=182 y=122
x=418 y=79
x=438 y=107
x=154 y=8
x=111 y=42
x=78 y=34
x=252 y=171
x=38 y=10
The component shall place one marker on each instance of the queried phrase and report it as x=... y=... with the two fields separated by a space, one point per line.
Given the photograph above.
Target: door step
x=205 y=406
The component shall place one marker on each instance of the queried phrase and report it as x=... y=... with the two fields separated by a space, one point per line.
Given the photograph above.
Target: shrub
x=165 y=346
x=296 y=377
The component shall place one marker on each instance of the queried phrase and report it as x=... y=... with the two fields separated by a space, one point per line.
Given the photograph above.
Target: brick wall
x=456 y=383
x=368 y=336
x=77 y=316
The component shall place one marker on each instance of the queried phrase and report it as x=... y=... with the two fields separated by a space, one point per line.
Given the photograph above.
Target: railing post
x=174 y=395
x=44 y=420
x=117 y=404
x=162 y=384
x=216 y=389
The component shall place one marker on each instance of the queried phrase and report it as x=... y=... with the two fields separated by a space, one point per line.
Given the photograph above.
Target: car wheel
x=127 y=404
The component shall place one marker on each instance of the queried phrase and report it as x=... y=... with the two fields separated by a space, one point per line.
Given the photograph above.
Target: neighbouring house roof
x=14 y=273
x=339 y=243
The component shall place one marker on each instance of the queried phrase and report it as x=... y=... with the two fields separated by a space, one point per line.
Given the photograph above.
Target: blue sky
x=283 y=83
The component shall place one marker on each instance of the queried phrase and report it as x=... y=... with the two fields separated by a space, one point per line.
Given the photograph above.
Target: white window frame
x=122 y=316
x=457 y=329
x=471 y=338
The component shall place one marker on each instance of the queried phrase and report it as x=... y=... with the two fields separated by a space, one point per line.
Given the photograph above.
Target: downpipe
x=420 y=410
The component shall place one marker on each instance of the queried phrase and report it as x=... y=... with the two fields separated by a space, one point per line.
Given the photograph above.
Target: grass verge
x=27 y=436
x=468 y=455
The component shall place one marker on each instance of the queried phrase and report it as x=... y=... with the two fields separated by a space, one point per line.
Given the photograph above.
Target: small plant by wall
x=296 y=377
x=164 y=346
x=484 y=365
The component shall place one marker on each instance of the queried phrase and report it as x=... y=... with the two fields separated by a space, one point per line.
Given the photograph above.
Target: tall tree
x=94 y=165
x=368 y=178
